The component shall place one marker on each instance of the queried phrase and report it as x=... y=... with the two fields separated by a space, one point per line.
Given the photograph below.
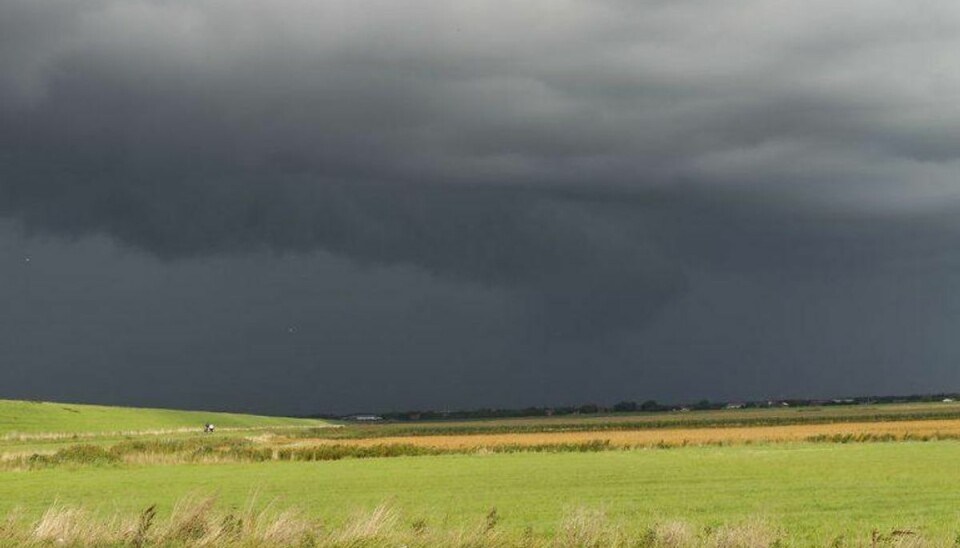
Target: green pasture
x=814 y=492
x=24 y=417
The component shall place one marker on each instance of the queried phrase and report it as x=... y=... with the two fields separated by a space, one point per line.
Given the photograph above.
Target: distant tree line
x=647 y=406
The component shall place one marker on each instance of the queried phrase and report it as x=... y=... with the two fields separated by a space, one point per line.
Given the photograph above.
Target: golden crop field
x=671 y=437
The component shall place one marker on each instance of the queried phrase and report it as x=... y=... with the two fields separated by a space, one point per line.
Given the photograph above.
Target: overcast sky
x=321 y=205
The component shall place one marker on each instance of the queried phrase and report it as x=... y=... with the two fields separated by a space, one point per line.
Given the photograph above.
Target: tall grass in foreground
x=197 y=521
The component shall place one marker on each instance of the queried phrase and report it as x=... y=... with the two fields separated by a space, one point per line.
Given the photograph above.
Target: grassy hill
x=27 y=417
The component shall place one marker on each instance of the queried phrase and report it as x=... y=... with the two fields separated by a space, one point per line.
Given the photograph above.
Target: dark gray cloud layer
x=593 y=163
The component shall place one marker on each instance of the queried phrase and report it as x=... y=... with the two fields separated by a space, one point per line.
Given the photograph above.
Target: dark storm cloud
x=579 y=154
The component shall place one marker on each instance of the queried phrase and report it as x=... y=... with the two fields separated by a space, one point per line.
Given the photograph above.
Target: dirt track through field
x=671 y=437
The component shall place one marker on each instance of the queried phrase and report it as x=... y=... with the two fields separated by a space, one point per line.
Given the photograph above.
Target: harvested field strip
x=866 y=431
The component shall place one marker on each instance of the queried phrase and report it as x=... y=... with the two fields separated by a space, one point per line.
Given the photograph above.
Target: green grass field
x=814 y=492
x=809 y=493
x=22 y=417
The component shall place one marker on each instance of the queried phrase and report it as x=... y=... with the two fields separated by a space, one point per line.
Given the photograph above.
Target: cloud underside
x=586 y=156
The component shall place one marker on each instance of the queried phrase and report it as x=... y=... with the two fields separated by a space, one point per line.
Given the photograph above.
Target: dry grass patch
x=672 y=534
x=589 y=528
x=197 y=522
x=862 y=431
x=753 y=533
